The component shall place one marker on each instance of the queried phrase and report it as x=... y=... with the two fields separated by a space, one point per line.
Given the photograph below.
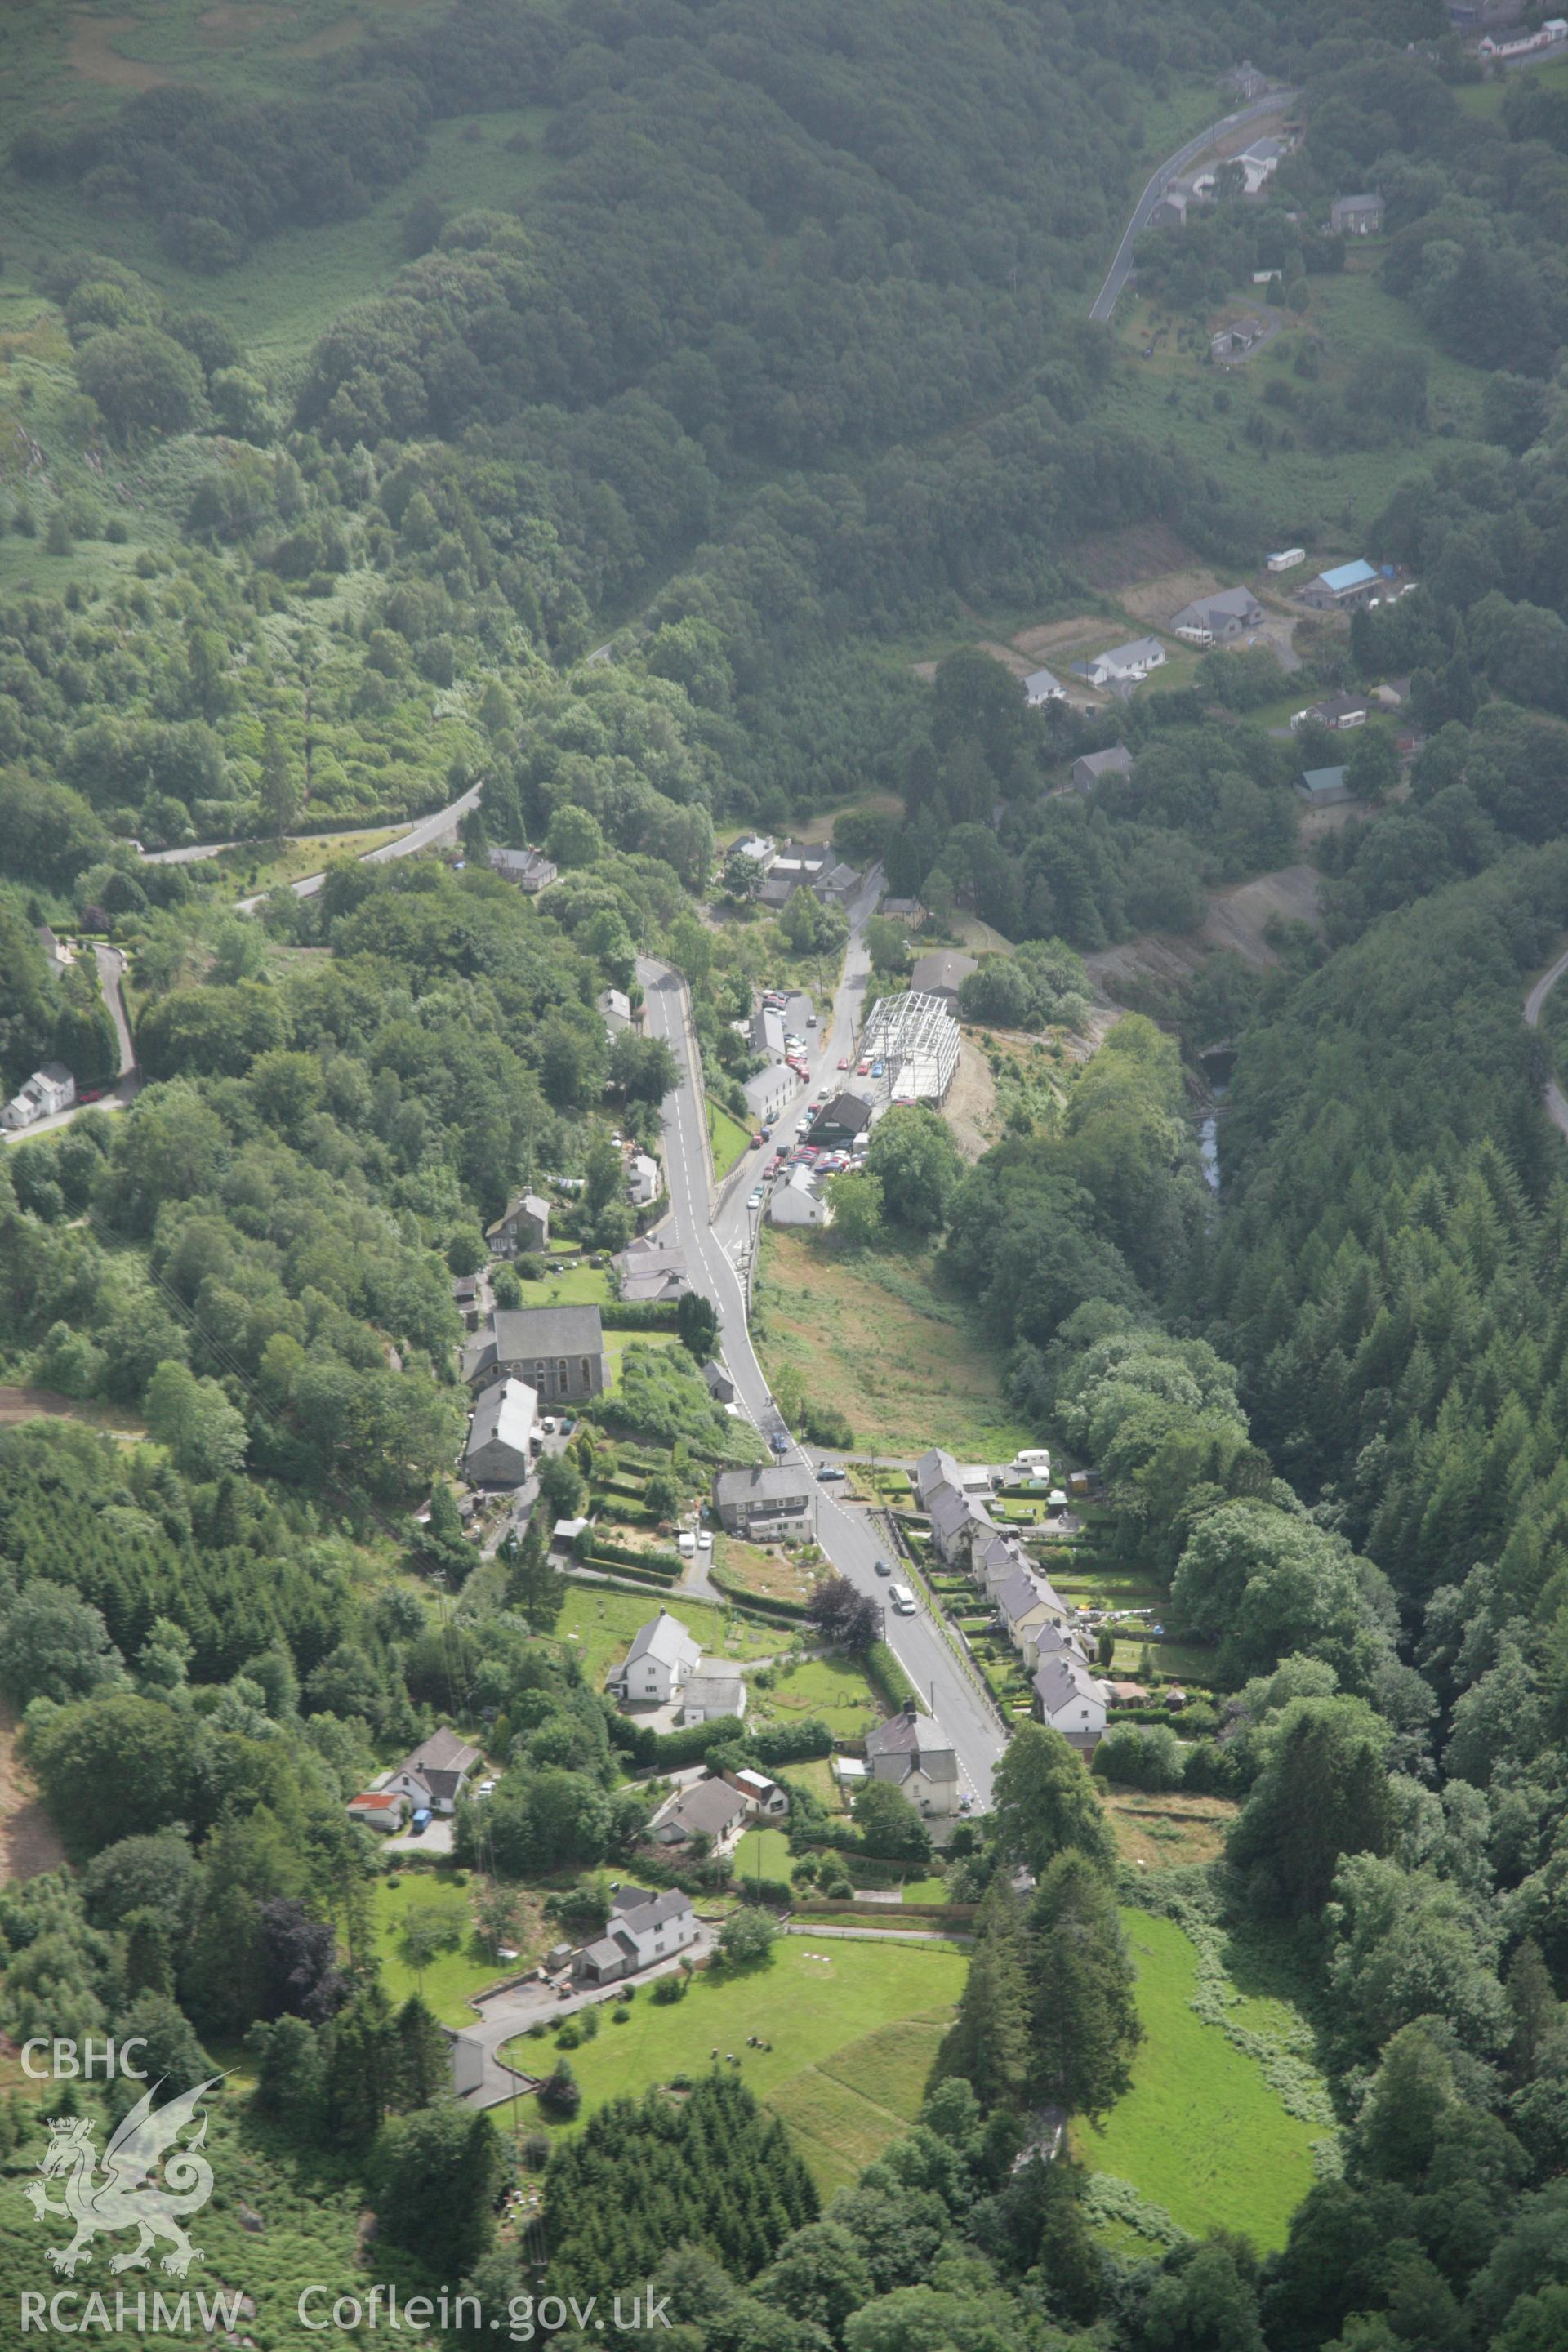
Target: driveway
x=504 y=2015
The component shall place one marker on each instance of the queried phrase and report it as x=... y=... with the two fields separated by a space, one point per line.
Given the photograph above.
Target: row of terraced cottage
x=1050 y=1636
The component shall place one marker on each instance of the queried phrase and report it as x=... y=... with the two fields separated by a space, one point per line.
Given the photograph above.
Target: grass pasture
x=1201 y=2132
x=853 y=2036
x=832 y=1688
x=874 y=1337
x=762 y=1853
x=1161 y=1831
x=452 y=1978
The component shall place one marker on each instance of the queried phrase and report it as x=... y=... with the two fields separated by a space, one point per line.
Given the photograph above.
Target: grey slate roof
x=1060 y=1682
x=714 y=1694
x=526 y=1331
x=943 y=973
x=707 y=1811
x=766 y=1483
x=907 y=1743
x=662 y=1637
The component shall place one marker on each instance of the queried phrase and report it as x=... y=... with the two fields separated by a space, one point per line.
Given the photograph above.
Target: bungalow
x=709 y=1808
x=644 y=1182
x=910 y=1753
x=1072 y=1702
x=663 y=1657
x=1337 y=710
x=649 y=1273
x=765 y=1800
x=1261 y=162
x=721 y=1387
x=775 y=1499
x=558 y=1350
x=1043 y=686
x=1087 y=770
x=642 y=1927
x=1215 y=620
x=800 y=1200
x=523 y=1226
x=1346 y=585
x=714 y=1692
x=1237 y=339
x=499 y=1448
x=529 y=868
x=433 y=1774
x=840 y=1122
x=941 y=973
x=1124 y=665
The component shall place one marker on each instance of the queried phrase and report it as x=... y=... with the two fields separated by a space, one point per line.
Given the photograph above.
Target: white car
x=902 y=1599
x=704 y=1539
x=754 y=1200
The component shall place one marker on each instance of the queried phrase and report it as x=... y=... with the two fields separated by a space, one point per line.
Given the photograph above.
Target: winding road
x=718 y=1234
x=1534 y=1005
x=1120 y=269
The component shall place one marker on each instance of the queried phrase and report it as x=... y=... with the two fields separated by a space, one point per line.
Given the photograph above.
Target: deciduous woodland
x=674 y=438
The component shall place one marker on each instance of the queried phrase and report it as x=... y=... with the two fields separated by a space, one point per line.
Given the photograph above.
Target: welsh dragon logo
x=119 y=2195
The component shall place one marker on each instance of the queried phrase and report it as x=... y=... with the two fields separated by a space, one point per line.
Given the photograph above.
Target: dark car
x=884 y=1568
x=779 y=1442
x=826 y=1470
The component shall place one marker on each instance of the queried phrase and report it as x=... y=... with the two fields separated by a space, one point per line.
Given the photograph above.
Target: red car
x=844 y=1061
x=756 y=1143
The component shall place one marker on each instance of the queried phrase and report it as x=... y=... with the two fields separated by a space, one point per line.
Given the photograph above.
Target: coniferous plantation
x=657 y=435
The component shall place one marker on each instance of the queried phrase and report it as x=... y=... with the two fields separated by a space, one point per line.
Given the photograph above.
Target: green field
x=1200 y=2133
x=762 y=1853
x=854 y=2034
x=877 y=1337
x=599 y=1624
x=452 y=1978
x=833 y=1688
x=1485 y=98
x=729 y=1140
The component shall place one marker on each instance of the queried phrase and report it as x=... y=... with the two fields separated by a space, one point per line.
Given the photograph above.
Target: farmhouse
x=524 y=1225
x=915 y=1037
x=662 y=1659
x=1356 y=216
x=1346 y=585
x=499 y=1452
x=941 y=973
x=642 y=1927
x=911 y=1752
x=529 y=868
x=1215 y=620
x=1087 y=770
x=558 y=1350
x=774 y=1499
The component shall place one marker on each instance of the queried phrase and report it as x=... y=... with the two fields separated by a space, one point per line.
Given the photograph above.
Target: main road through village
x=716 y=1235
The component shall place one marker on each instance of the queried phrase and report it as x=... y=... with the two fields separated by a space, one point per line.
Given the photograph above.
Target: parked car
x=756 y=1142
x=755 y=1198
x=548 y=1425
x=878 y=1068
x=811 y=1019
x=420 y=1822
x=862 y=1069
x=705 y=1539
x=828 y=1471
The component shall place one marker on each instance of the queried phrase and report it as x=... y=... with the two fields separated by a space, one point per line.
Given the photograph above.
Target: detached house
x=912 y=1753
x=662 y=1659
x=642 y=1927
x=709 y=1808
x=1072 y=1701
x=524 y=1225
x=1087 y=770
x=529 y=868
x=433 y=1776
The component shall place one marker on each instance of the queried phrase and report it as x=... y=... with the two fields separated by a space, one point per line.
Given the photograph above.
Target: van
x=902 y=1599
x=686 y=1545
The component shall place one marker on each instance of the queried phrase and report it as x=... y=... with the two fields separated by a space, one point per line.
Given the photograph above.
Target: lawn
x=832 y=1688
x=599 y=1624
x=1200 y=2133
x=876 y=1339
x=762 y=1853
x=772 y=1575
x=452 y=1978
x=1486 y=98
x=854 y=2029
x=729 y=1140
